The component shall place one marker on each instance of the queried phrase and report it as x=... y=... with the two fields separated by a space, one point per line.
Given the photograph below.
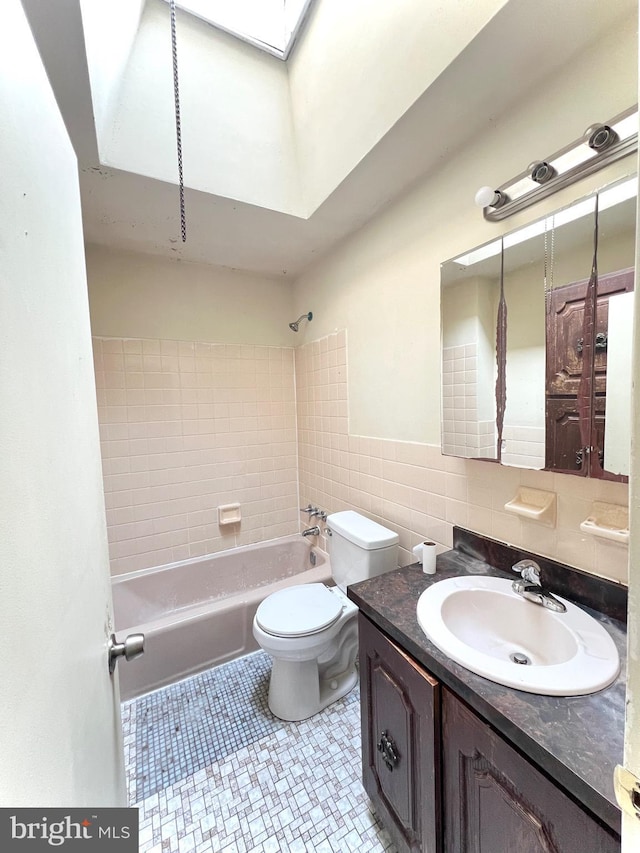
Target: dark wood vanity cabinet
x=496 y=800
x=442 y=780
x=400 y=741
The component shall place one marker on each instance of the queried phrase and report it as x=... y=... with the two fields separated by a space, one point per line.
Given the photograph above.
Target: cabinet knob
x=388 y=749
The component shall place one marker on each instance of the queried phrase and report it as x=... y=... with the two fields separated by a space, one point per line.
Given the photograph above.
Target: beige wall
x=630 y=828
x=414 y=490
x=109 y=33
x=140 y=296
x=382 y=286
x=237 y=132
x=60 y=731
x=383 y=283
x=194 y=374
x=345 y=99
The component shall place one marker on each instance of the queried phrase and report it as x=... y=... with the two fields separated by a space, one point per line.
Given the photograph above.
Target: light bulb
x=487 y=197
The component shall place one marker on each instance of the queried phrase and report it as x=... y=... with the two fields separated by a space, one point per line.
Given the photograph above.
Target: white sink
x=480 y=623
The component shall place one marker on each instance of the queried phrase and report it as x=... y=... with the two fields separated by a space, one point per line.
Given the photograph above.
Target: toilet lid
x=298 y=610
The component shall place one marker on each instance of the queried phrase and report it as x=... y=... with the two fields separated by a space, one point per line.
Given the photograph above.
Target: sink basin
x=486 y=627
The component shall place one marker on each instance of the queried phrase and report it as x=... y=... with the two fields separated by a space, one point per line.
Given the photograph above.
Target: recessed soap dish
x=534 y=504
x=229 y=514
x=608 y=521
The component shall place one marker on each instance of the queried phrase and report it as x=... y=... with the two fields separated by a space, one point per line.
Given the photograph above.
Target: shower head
x=294 y=326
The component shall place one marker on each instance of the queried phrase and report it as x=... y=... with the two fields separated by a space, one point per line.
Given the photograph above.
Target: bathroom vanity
x=454 y=762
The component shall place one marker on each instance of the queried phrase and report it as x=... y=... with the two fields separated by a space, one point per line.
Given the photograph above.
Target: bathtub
x=198 y=613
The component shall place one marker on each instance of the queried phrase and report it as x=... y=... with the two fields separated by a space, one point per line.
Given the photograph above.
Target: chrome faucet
x=311 y=531
x=315 y=512
x=529 y=586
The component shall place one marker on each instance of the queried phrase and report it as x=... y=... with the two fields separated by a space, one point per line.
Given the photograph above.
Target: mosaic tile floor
x=279 y=787
x=189 y=725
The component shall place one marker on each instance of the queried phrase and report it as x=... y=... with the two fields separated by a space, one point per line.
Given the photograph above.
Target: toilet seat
x=299 y=610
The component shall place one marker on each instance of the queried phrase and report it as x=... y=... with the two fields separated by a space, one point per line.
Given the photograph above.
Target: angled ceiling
x=282 y=161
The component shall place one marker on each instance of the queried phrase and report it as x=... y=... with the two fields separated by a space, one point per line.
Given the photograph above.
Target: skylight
x=270 y=25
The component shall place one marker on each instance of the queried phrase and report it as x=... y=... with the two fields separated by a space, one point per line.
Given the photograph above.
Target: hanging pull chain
x=176 y=96
x=548 y=262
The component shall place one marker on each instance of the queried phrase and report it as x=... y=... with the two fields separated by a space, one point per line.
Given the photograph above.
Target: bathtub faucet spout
x=311 y=531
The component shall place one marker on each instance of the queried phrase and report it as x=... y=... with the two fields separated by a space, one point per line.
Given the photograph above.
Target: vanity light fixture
x=622 y=190
x=601 y=136
x=541 y=172
x=488 y=197
x=600 y=145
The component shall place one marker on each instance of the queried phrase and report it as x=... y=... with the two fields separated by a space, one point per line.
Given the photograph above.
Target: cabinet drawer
x=400 y=756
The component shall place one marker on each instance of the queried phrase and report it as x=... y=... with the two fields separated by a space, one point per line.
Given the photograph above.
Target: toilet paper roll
x=429 y=558
x=425 y=553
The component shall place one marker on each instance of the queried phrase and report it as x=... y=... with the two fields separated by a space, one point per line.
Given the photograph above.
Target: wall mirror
x=469 y=305
x=565 y=283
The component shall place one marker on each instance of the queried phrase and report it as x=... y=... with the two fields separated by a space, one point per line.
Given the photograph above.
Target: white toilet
x=310 y=630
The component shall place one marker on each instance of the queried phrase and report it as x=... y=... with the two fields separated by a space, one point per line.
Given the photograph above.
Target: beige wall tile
x=182 y=434
x=257 y=423
x=577 y=549
x=611 y=560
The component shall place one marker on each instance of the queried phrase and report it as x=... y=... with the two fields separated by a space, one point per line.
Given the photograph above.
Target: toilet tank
x=360 y=548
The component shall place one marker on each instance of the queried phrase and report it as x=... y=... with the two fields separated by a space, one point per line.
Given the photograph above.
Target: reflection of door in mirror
x=565 y=450
x=469 y=298
x=588 y=377
x=569 y=259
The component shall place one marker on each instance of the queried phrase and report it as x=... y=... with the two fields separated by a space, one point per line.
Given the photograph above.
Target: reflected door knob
x=132 y=647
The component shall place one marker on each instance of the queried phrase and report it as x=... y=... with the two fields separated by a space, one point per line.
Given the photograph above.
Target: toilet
x=310 y=630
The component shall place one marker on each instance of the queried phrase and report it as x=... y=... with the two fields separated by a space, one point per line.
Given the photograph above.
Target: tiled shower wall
x=419 y=493
x=464 y=434
x=523 y=445
x=186 y=427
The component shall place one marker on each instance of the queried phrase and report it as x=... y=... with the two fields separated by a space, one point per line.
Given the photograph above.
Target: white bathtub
x=198 y=613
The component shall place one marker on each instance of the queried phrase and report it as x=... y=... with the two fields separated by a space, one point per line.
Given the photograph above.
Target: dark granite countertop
x=576 y=740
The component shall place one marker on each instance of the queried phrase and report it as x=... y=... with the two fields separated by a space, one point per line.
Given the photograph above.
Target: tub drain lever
x=132 y=648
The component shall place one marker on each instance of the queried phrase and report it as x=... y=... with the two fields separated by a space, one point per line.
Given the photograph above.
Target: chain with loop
x=176 y=96
x=548 y=261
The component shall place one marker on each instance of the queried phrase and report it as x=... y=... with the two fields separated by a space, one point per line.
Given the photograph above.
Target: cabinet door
x=495 y=801
x=400 y=725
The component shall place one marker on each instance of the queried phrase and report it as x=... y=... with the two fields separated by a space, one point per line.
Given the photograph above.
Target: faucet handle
x=310 y=509
x=529 y=570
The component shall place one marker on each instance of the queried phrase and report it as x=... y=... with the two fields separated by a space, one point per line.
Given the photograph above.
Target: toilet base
x=296 y=690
